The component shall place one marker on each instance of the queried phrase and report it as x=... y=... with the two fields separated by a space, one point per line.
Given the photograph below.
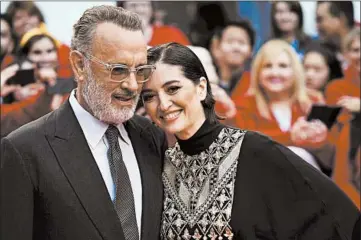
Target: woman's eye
x=147 y=97
x=173 y=89
x=267 y=65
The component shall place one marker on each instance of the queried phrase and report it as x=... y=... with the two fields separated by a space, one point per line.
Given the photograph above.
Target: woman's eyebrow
x=170 y=82
x=145 y=90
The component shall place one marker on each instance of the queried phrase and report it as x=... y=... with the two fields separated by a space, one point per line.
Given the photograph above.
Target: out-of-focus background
x=60 y=16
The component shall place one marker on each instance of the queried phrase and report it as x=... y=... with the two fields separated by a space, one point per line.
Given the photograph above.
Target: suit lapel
x=76 y=160
x=142 y=143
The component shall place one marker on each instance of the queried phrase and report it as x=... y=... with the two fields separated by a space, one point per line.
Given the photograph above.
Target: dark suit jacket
x=279 y=196
x=51 y=187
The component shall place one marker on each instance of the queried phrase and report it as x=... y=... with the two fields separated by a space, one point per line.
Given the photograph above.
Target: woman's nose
x=164 y=102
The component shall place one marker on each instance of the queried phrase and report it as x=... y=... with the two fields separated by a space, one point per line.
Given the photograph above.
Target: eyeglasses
x=119 y=72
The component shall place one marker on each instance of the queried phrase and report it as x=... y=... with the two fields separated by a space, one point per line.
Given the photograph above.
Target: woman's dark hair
x=296 y=8
x=328 y=53
x=179 y=55
x=24 y=51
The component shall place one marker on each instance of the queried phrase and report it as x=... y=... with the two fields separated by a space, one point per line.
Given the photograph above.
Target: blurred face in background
x=316 y=70
x=276 y=74
x=353 y=55
x=23 y=22
x=286 y=20
x=6 y=40
x=235 y=46
x=143 y=9
x=43 y=52
x=327 y=25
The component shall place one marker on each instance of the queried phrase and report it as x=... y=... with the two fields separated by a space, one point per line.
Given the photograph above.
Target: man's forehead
x=112 y=35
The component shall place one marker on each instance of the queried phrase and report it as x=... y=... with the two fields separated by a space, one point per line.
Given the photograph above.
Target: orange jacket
x=344 y=170
x=164 y=34
x=16 y=114
x=248 y=117
x=342 y=87
x=242 y=87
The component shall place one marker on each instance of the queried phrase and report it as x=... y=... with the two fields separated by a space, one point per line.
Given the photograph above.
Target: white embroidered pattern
x=199 y=189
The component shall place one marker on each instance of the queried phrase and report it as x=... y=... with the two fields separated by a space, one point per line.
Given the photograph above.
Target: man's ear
x=77 y=64
x=202 y=88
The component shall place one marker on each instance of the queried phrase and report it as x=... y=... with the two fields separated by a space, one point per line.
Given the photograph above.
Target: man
x=334 y=21
x=89 y=170
x=232 y=49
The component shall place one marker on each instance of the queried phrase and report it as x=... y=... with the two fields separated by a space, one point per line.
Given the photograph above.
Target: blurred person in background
x=25 y=15
x=7 y=37
x=278 y=102
x=38 y=52
x=321 y=66
x=231 y=49
x=345 y=93
x=153 y=33
x=334 y=19
x=287 y=24
x=209 y=16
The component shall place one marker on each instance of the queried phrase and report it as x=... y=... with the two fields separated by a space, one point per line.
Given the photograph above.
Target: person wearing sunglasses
x=90 y=169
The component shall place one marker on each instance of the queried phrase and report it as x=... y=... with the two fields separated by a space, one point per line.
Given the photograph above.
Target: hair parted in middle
x=192 y=68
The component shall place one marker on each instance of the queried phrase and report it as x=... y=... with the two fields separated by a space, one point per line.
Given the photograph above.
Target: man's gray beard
x=99 y=102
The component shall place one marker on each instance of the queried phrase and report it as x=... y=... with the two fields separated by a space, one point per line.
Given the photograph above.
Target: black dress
x=226 y=183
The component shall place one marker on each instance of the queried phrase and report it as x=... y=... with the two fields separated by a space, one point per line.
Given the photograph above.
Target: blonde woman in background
x=278 y=102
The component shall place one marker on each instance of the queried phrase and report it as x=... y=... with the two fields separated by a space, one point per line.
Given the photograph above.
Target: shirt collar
x=93 y=128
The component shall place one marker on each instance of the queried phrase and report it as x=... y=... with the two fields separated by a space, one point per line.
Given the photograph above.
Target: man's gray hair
x=84 y=28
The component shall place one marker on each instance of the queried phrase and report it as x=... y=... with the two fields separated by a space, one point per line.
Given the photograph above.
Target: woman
x=38 y=55
x=287 y=24
x=278 y=103
x=226 y=182
x=321 y=66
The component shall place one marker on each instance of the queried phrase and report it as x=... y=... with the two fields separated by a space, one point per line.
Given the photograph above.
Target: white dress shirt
x=94 y=131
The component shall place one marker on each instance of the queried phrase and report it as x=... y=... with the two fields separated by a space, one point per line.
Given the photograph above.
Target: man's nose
x=131 y=83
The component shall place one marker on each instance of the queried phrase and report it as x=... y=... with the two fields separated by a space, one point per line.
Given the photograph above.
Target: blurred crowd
x=272 y=90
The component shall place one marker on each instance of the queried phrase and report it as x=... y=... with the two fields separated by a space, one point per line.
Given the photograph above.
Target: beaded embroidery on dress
x=199 y=189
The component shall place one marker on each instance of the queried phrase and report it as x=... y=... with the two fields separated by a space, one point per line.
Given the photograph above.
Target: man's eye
x=173 y=89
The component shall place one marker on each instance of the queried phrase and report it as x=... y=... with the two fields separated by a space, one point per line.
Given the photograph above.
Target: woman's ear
x=202 y=88
x=77 y=64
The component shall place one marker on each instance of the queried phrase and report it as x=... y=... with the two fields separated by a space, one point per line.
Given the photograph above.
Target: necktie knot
x=112 y=134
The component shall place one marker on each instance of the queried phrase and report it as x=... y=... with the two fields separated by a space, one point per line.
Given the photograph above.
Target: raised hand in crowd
x=313 y=133
x=6 y=74
x=350 y=103
x=28 y=90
